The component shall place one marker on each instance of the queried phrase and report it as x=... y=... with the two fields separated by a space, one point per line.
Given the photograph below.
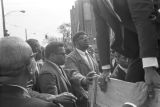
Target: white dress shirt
x=83 y=55
x=150 y=62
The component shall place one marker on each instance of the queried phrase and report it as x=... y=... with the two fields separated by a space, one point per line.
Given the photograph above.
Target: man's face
x=60 y=56
x=83 y=42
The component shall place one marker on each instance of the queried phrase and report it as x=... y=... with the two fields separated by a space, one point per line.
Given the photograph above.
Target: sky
x=41 y=17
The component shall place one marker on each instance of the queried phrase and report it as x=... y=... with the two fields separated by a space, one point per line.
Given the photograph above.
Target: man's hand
x=152 y=79
x=65 y=97
x=103 y=79
x=89 y=78
x=106 y=74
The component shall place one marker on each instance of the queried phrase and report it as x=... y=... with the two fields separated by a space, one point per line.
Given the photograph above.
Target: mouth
x=86 y=44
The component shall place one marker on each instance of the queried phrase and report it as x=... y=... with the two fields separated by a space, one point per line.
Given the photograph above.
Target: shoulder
x=73 y=56
x=46 y=68
x=49 y=68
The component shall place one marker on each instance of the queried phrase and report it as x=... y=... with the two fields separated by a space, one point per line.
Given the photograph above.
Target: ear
x=32 y=67
x=51 y=56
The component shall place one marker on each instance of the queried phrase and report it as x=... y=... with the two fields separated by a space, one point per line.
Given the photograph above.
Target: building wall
x=82 y=19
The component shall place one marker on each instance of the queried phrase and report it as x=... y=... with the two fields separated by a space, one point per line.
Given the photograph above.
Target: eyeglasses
x=83 y=37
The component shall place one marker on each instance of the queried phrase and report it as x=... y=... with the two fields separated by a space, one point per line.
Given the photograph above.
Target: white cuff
x=150 y=62
x=106 y=67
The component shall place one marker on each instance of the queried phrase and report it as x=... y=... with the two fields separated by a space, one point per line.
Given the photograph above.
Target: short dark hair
x=77 y=35
x=52 y=47
x=33 y=44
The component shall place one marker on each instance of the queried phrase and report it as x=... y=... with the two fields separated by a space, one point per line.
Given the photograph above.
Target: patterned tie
x=90 y=62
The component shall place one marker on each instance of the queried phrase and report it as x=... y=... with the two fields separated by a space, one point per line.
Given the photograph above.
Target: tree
x=65 y=30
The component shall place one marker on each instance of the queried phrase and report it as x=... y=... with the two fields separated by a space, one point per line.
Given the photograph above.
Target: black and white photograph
x=79 y=53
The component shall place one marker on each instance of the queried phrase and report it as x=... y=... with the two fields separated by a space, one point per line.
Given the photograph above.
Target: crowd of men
x=29 y=78
x=33 y=76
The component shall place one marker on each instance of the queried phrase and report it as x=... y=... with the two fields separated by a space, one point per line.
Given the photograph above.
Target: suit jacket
x=135 y=34
x=77 y=68
x=13 y=96
x=52 y=81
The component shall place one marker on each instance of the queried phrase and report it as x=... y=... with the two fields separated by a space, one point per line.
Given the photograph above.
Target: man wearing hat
x=17 y=66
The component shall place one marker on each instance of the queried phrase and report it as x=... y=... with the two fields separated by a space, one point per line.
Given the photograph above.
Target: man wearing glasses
x=81 y=68
x=17 y=67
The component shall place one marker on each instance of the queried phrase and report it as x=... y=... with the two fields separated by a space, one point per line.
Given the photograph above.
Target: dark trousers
x=140 y=11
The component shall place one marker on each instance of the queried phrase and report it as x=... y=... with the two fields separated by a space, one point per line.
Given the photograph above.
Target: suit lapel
x=59 y=75
x=63 y=77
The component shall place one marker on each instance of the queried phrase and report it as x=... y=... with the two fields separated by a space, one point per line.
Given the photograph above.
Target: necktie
x=90 y=62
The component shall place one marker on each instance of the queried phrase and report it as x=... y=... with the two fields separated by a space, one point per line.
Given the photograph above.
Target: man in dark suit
x=136 y=36
x=52 y=79
x=81 y=67
x=32 y=84
x=17 y=66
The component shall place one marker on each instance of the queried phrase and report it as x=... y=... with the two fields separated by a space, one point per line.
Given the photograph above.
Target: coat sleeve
x=47 y=83
x=43 y=96
x=75 y=78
